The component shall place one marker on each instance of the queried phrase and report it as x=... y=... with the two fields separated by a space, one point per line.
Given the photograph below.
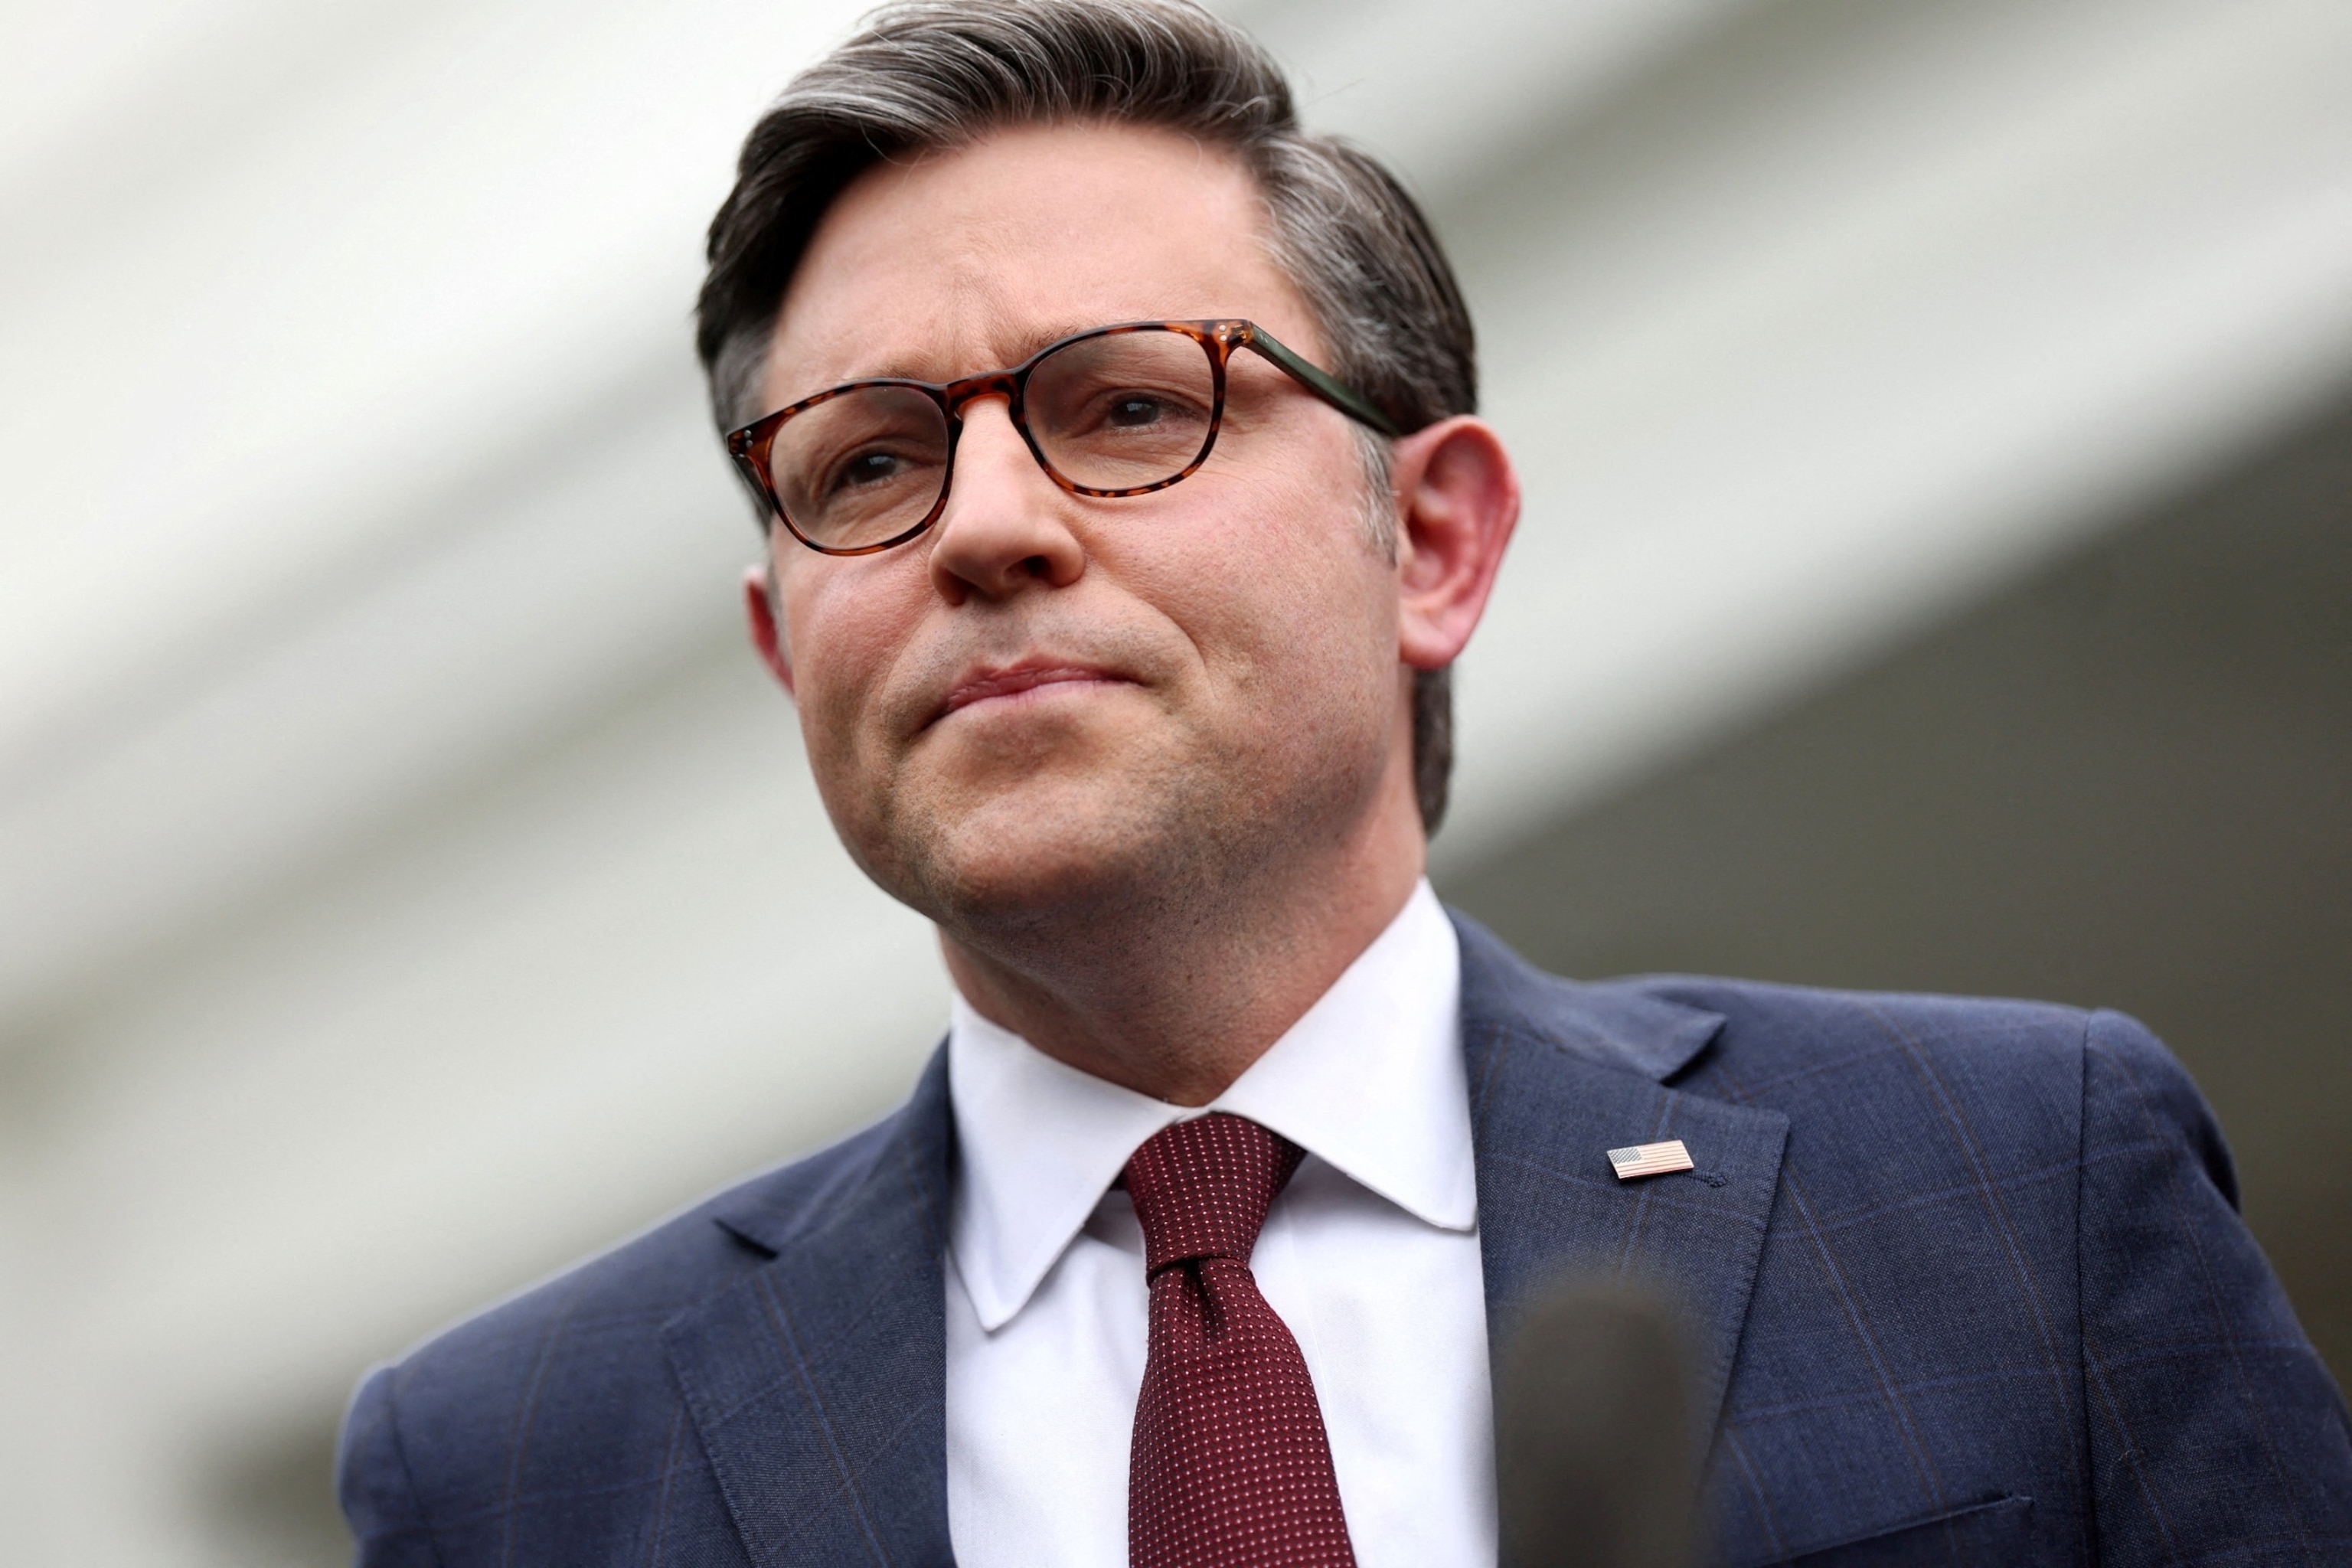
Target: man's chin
x=1052 y=872
x=1045 y=856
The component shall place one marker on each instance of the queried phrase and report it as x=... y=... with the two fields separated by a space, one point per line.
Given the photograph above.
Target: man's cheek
x=837 y=752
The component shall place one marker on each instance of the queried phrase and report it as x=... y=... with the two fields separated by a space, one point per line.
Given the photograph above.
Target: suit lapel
x=1560 y=1074
x=818 y=1382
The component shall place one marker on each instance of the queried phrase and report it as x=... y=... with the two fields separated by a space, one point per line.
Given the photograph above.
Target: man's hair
x=942 y=74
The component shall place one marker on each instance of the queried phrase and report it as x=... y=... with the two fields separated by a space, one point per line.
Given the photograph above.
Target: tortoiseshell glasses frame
x=754 y=447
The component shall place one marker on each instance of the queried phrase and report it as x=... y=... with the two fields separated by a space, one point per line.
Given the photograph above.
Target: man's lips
x=982 y=685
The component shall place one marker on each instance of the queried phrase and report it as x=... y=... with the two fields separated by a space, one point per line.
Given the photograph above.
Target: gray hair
x=933 y=75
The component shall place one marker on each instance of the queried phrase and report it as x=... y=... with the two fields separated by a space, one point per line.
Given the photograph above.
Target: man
x=1120 y=653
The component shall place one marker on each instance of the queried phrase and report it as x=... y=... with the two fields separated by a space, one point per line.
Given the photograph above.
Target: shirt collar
x=1370 y=1079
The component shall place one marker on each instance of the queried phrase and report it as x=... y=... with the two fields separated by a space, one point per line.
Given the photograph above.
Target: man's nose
x=1006 y=525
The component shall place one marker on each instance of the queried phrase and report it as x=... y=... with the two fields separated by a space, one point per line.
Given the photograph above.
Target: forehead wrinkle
x=873 y=344
x=981 y=314
x=1014 y=349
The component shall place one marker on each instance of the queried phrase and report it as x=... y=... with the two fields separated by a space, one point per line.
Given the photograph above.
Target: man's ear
x=765 y=616
x=1457 y=502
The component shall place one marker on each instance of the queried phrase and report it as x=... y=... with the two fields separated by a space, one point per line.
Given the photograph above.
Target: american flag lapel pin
x=1649 y=1159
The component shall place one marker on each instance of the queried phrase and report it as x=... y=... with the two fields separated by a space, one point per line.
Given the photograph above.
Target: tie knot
x=1201 y=1188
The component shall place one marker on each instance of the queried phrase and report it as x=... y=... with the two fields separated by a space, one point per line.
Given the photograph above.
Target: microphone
x=1596 y=1462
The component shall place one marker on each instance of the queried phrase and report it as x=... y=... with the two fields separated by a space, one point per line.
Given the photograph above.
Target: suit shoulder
x=1719 y=1035
x=1890 y=1094
x=1775 y=1029
x=1888 y=1081
x=625 y=1292
x=569 y=1383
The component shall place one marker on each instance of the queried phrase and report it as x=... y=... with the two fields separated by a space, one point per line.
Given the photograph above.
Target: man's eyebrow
x=1025 y=345
x=1070 y=329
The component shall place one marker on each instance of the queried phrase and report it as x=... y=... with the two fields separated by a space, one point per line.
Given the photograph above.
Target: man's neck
x=1177 y=1005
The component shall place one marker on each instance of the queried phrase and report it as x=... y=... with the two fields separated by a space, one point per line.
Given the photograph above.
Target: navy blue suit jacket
x=1969 y=1278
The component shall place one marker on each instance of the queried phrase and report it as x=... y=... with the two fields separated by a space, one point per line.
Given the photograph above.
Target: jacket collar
x=1562 y=1073
x=818 y=1382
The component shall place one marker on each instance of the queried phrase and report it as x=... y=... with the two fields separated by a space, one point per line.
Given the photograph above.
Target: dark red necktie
x=1231 y=1468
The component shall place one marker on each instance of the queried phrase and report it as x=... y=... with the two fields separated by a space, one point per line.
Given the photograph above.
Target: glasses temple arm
x=1322 y=383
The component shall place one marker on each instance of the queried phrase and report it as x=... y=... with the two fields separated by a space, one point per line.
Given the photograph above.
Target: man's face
x=1050 y=703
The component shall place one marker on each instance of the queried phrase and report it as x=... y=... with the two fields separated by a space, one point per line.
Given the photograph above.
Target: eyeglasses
x=1117 y=411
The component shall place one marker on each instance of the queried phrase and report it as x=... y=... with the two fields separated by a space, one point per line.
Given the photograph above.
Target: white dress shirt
x=1370 y=1256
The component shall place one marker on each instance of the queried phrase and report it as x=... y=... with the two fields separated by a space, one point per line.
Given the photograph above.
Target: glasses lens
x=1124 y=411
x=861 y=467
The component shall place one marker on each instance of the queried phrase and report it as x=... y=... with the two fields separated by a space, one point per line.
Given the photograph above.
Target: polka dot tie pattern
x=1231 y=1467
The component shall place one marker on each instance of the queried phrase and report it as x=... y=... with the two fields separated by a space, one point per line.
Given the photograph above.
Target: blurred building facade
x=1938 y=572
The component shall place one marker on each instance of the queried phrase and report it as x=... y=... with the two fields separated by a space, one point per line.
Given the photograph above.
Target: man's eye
x=1129 y=410
x=868 y=469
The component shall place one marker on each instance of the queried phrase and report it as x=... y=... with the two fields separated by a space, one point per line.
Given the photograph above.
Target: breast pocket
x=1993 y=1533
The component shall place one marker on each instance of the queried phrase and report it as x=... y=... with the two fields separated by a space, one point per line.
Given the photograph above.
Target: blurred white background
x=407 y=881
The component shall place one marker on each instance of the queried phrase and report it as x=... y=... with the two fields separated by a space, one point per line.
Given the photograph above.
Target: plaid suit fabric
x=676 y=1403
x=541 y=1434
x=2007 y=1266
x=1968 y=1280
